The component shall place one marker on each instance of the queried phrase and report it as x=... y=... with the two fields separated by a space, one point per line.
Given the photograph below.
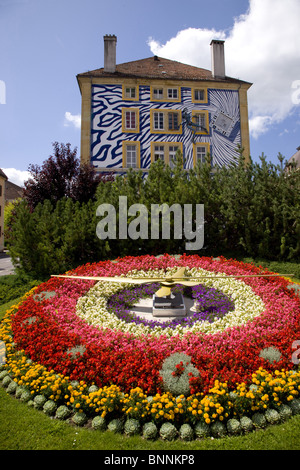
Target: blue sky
x=44 y=44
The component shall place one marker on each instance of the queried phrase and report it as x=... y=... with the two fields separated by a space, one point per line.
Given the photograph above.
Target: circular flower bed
x=78 y=345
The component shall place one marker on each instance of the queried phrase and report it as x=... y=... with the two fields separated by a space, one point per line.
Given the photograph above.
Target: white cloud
x=262 y=47
x=16 y=176
x=72 y=119
x=259 y=125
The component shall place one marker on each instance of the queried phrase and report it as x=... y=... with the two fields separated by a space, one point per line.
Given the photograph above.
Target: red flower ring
x=51 y=332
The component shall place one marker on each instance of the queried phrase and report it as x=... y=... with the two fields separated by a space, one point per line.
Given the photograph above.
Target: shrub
x=285 y=412
x=12 y=387
x=3 y=374
x=295 y=405
x=62 y=412
x=246 y=424
x=26 y=397
x=270 y=354
x=176 y=373
x=202 y=430
x=39 y=401
x=13 y=286
x=272 y=416
x=186 y=432
x=115 y=426
x=19 y=392
x=168 y=432
x=234 y=426
x=132 y=427
x=6 y=381
x=79 y=419
x=259 y=420
x=150 y=430
x=50 y=407
x=218 y=429
x=99 y=423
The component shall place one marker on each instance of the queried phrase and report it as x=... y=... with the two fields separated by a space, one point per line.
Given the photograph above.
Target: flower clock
x=76 y=349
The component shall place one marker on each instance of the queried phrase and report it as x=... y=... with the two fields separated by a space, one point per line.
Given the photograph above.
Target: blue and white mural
x=107 y=133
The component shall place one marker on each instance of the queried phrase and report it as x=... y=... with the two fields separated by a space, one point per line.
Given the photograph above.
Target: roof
x=3 y=174
x=12 y=191
x=158 y=68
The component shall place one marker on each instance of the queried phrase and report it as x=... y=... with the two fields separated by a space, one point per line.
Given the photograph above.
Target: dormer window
x=158 y=93
x=172 y=93
x=165 y=93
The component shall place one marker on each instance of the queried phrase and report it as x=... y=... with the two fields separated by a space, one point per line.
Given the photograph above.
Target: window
x=200 y=152
x=131 y=154
x=158 y=120
x=200 y=120
x=158 y=93
x=159 y=152
x=130 y=92
x=165 y=151
x=165 y=93
x=130 y=120
x=173 y=121
x=172 y=93
x=165 y=122
x=199 y=95
x=172 y=154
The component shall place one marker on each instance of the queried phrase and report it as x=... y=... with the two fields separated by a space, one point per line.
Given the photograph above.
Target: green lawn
x=24 y=428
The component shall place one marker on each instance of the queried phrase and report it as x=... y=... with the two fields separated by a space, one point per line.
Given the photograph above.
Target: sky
x=44 y=44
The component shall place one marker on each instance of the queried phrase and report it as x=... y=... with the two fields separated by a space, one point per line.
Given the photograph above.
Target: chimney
x=110 y=42
x=217 y=58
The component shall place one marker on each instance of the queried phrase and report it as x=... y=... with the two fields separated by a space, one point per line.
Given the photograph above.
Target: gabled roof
x=158 y=68
x=12 y=191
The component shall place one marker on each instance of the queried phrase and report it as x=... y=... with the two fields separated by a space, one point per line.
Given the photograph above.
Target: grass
x=24 y=428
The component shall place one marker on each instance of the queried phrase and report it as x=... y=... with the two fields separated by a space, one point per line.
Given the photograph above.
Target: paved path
x=6 y=266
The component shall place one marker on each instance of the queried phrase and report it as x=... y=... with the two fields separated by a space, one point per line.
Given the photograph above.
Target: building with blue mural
x=141 y=111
